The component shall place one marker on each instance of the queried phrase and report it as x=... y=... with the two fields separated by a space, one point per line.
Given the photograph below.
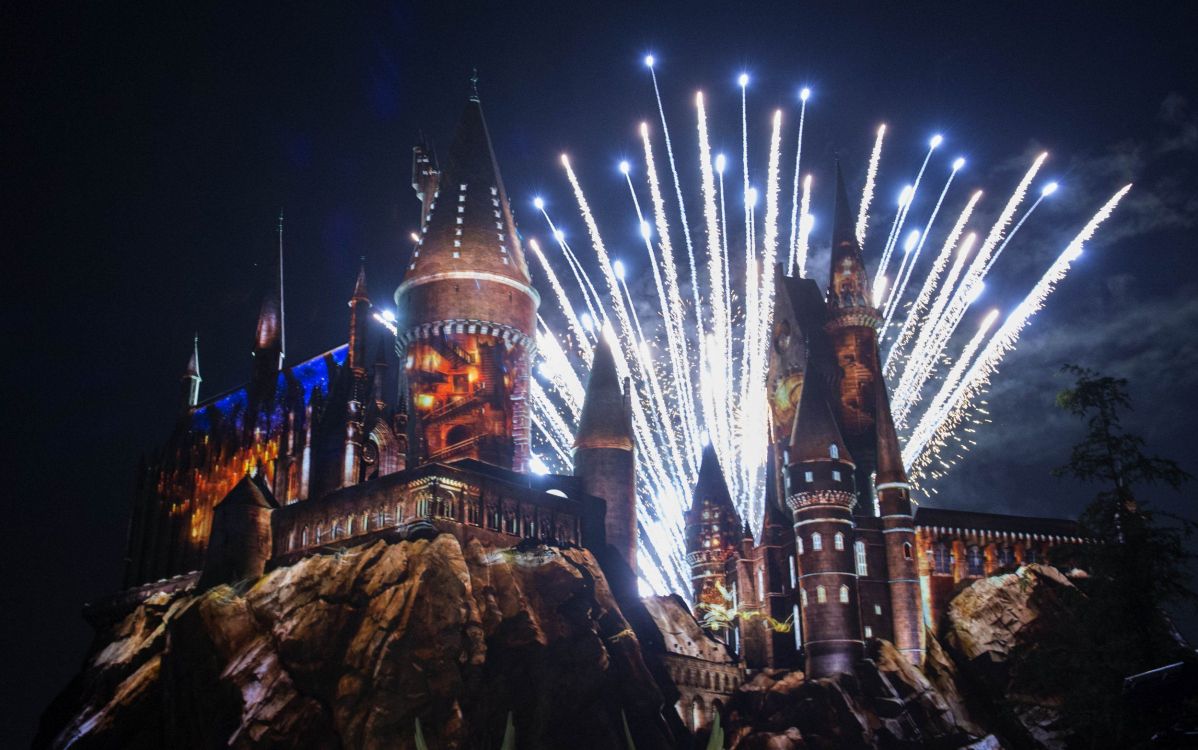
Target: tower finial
x=474 y=85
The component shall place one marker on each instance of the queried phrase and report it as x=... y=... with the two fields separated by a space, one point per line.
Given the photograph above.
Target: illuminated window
x=835 y=476
x=973 y=560
x=833 y=451
x=869 y=632
x=800 y=545
x=817 y=542
x=942 y=559
x=760 y=582
x=844 y=594
x=838 y=541
x=821 y=596
x=808 y=476
x=877 y=609
x=859 y=553
x=803 y=597
x=793 y=573
x=349 y=526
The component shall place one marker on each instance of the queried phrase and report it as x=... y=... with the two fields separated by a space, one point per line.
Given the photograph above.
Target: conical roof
x=360 y=291
x=815 y=430
x=711 y=483
x=193 y=363
x=606 y=421
x=890 y=458
x=848 y=280
x=469 y=227
x=249 y=491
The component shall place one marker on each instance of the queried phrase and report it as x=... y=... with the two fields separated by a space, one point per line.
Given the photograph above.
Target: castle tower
x=191 y=377
x=359 y=315
x=713 y=531
x=240 y=544
x=898 y=525
x=605 y=453
x=820 y=494
x=467 y=309
x=852 y=325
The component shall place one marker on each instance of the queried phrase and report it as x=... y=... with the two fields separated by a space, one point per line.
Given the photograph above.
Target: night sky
x=148 y=150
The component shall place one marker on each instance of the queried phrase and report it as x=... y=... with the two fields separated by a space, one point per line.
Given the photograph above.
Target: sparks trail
x=702 y=375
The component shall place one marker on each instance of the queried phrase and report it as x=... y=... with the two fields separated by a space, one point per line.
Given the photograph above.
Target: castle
x=338 y=450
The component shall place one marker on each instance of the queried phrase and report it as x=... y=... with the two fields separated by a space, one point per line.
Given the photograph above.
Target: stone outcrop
x=995 y=630
x=885 y=703
x=348 y=649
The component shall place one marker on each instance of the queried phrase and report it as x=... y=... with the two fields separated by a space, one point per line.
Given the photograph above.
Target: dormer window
x=833 y=451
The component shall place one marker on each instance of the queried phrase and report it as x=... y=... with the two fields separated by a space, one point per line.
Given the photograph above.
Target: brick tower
x=604 y=451
x=467 y=309
x=820 y=494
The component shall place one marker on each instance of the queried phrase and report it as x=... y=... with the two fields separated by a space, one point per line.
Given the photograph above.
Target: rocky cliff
x=348 y=649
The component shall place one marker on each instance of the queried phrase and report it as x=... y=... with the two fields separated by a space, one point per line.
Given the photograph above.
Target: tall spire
x=606 y=420
x=268 y=339
x=191 y=376
x=359 y=306
x=282 y=297
x=848 y=280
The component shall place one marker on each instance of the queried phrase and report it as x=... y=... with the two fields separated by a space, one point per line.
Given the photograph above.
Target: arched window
x=349 y=525
x=973 y=560
x=833 y=451
x=943 y=559
x=1030 y=555
x=1006 y=555
x=291 y=540
x=365 y=522
x=838 y=541
x=800 y=545
x=803 y=597
x=817 y=542
x=906 y=550
x=457 y=434
x=821 y=596
x=697 y=714
x=304 y=537
x=844 y=594
x=319 y=533
x=859 y=555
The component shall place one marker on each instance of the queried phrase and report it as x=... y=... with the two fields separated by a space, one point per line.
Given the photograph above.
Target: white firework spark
x=699 y=375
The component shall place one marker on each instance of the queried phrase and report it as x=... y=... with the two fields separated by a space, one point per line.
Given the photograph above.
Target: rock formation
x=348 y=649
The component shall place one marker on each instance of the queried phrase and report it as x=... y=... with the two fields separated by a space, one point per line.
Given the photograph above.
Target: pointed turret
x=604 y=451
x=359 y=315
x=713 y=531
x=191 y=376
x=848 y=280
x=815 y=436
x=269 y=349
x=467 y=310
x=606 y=420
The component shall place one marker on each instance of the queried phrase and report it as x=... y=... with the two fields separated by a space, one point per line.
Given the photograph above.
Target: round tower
x=898 y=527
x=820 y=494
x=467 y=309
x=604 y=452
